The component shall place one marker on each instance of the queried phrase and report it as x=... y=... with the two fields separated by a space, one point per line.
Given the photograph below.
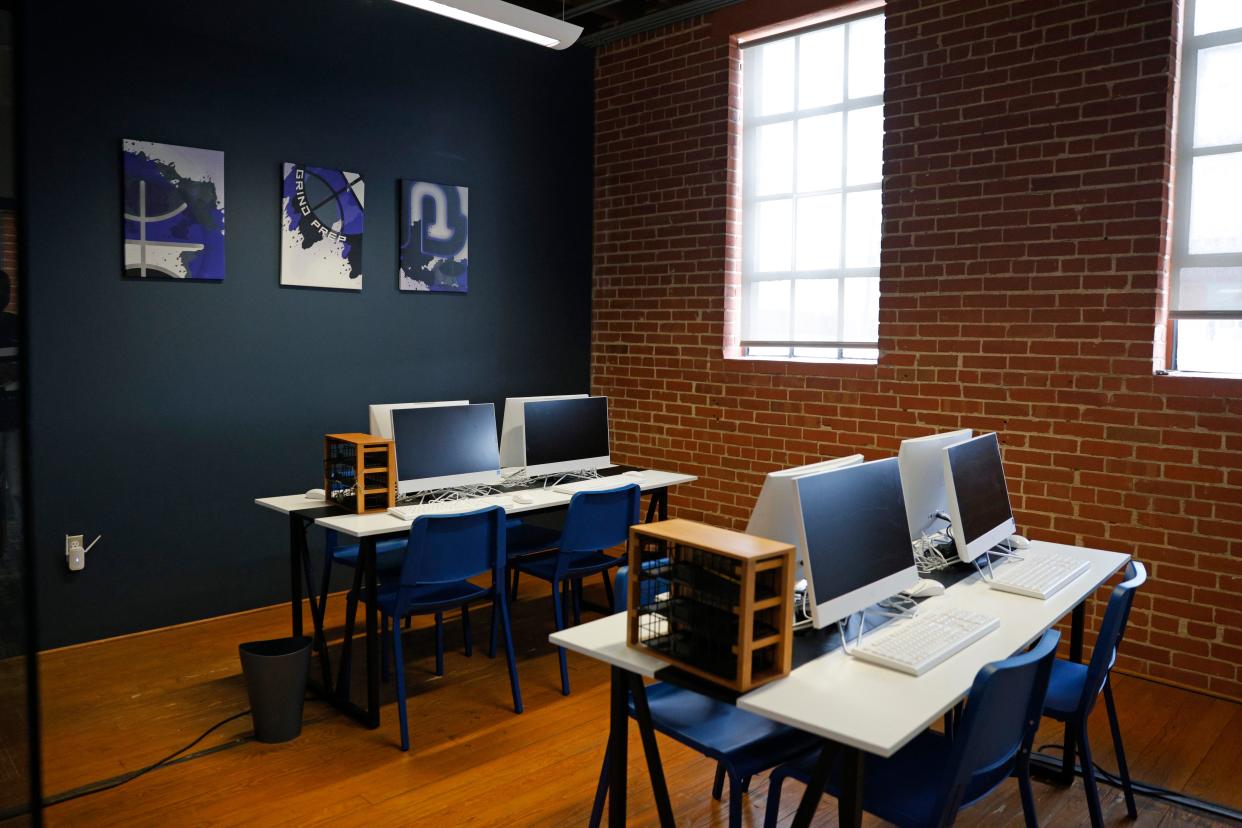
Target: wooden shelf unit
x=713 y=602
x=359 y=472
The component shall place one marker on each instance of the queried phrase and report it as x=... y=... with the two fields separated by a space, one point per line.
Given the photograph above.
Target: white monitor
x=513 y=431
x=974 y=480
x=922 y=479
x=381 y=414
x=566 y=435
x=775 y=514
x=853 y=526
x=444 y=446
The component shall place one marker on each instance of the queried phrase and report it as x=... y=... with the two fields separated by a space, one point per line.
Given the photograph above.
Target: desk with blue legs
x=855 y=707
x=367 y=530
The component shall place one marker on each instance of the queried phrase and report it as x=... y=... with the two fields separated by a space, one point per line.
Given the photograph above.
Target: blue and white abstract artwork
x=322 y=213
x=435 y=234
x=174 y=211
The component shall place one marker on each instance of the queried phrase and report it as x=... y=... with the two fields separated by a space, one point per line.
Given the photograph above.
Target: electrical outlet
x=75 y=551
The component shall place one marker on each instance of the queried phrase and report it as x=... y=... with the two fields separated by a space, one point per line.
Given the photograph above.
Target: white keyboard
x=1035 y=576
x=599 y=484
x=448 y=507
x=918 y=644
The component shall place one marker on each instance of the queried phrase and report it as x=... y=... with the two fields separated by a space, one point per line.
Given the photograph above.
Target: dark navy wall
x=159 y=411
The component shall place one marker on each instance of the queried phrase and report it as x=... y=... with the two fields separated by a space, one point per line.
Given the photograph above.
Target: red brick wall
x=1027 y=167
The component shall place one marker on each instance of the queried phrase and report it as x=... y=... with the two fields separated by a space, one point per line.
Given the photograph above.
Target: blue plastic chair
x=934 y=776
x=596 y=521
x=742 y=743
x=1074 y=688
x=442 y=553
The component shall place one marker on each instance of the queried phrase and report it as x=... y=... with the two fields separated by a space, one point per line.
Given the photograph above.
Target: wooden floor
x=116 y=706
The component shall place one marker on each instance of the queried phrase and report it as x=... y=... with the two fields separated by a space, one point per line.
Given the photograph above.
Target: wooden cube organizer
x=712 y=602
x=359 y=472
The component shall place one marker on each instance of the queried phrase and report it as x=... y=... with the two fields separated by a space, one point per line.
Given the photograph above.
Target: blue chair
x=1074 y=688
x=934 y=776
x=442 y=553
x=596 y=521
x=742 y=743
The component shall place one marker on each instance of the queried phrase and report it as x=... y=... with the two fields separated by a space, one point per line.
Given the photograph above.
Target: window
x=1205 y=301
x=812 y=142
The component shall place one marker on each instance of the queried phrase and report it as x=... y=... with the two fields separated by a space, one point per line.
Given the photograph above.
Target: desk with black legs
x=855 y=707
x=367 y=530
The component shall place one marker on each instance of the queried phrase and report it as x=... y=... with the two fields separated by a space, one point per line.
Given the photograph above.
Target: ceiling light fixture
x=505 y=18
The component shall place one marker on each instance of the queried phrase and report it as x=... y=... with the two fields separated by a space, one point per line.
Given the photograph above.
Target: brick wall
x=1027 y=166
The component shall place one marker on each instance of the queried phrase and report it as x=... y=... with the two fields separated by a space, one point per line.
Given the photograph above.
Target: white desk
x=302 y=512
x=861 y=707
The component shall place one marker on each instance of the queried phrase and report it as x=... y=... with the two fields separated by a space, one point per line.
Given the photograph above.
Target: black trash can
x=275 y=672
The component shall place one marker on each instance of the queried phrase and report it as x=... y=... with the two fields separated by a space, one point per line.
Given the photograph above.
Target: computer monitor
x=775 y=514
x=922 y=479
x=566 y=435
x=381 y=414
x=974 y=480
x=513 y=431
x=853 y=525
x=442 y=446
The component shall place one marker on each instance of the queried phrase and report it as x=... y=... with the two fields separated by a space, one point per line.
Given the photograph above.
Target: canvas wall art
x=174 y=211
x=321 y=219
x=435 y=231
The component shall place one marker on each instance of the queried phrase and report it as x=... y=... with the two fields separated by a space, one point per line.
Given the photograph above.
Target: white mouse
x=315 y=494
x=925 y=588
x=632 y=473
x=523 y=498
x=1019 y=542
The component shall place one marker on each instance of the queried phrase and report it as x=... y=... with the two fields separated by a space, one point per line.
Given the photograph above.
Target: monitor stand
x=987 y=559
x=578 y=474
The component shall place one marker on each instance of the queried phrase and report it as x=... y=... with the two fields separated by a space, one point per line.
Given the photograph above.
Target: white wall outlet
x=75 y=551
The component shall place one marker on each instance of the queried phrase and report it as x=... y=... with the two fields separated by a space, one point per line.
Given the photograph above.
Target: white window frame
x=1181 y=256
x=751 y=121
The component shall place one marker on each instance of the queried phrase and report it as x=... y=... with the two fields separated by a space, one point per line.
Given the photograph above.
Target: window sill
x=1189 y=382
x=1199 y=375
x=803 y=366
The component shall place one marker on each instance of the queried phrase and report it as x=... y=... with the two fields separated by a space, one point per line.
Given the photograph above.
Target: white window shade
x=813 y=134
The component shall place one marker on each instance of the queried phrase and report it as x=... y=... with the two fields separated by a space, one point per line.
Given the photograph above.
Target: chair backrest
x=444 y=548
x=598 y=520
x=1002 y=714
x=1112 y=630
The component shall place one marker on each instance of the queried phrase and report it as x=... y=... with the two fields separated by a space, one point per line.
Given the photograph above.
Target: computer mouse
x=632 y=473
x=925 y=588
x=314 y=494
x=1019 y=542
x=523 y=498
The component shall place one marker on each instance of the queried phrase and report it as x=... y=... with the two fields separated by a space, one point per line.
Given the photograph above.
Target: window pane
x=862 y=229
x=1217 y=15
x=770 y=310
x=869 y=354
x=819 y=232
x=862 y=303
x=816 y=353
x=819 y=153
x=776 y=77
x=1209 y=345
x=1209 y=288
x=1218 y=92
x=815 y=313
x=864 y=145
x=774 y=161
x=1215 y=184
x=866 y=64
x=767 y=352
x=821 y=68
x=775 y=236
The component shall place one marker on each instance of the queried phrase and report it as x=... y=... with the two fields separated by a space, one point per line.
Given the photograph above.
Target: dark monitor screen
x=438 y=441
x=856 y=529
x=979 y=485
x=560 y=431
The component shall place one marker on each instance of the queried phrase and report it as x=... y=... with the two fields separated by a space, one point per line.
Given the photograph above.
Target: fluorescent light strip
x=490 y=14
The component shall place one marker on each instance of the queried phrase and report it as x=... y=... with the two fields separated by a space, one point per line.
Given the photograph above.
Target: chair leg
x=1122 y=769
x=565 y=604
x=511 y=658
x=514 y=588
x=558 y=612
x=745 y=783
x=465 y=629
x=1088 y=777
x=718 y=785
x=439 y=643
x=772 y=810
x=399 y=669
x=1024 y=790
x=409 y=622
x=612 y=604
x=735 y=802
x=601 y=790
x=576 y=589
x=491 y=633
x=386 y=633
